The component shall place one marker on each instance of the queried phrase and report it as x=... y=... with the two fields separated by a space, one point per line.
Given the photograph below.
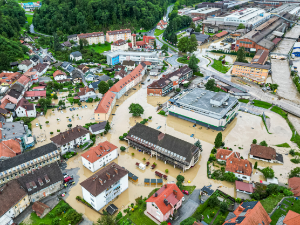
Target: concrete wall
x=46 y=191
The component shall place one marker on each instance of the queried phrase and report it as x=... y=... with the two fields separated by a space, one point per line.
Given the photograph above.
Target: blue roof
x=65 y=64
x=207 y=190
x=248 y=205
x=70 y=69
x=240 y=219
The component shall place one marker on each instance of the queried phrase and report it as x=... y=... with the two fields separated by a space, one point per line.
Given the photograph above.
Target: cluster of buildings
x=119 y=56
x=31 y=6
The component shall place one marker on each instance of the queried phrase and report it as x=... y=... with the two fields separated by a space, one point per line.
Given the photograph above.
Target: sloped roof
x=10 y=148
x=114 y=32
x=76 y=54
x=23 y=80
x=223 y=154
x=84 y=90
x=94 y=34
x=99 y=151
x=105 y=103
x=39 y=208
x=292 y=218
x=244 y=186
x=98 y=126
x=25 y=104
x=58 y=72
x=35 y=94
x=294 y=184
x=221 y=34
x=237 y=165
x=119 y=42
x=263 y=152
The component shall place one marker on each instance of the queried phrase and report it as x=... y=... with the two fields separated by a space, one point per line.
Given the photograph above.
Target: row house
x=32 y=75
x=119 y=45
x=8 y=78
x=25 y=65
x=92 y=38
x=25 y=109
x=13 y=96
x=115 y=35
x=105 y=106
x=34 y=95
x=25 y=82
x=41 y=68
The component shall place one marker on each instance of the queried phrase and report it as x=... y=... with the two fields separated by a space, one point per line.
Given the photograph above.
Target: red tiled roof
x=223 y=154
x=166 y=190
x=84 y=90
x=263 y=152
x=292 y=218
x=196 y=19
x=221 y=34
x=105 y=103
x=130 y=45
x=94 y=34
x=23 y=80
x=119 y=42
x=35 y=94
x=99 y=151
x=4 y=103
x=147 y=63
x=140 y=43
x=39 y=208
x=58 y=72
x=9 y=148
x=162 y=23
x=39 y=87
x=241 y=166
x=244 y=186
x=294 y=184
x=147 y=38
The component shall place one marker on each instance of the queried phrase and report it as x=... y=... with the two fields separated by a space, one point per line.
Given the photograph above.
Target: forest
x=73 y=17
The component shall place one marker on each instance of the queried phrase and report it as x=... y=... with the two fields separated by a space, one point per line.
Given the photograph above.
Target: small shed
x=147 y=181
x=159 y=181
x=142 y=166
x=135 y=178
x=153 y=181
x=111 y=209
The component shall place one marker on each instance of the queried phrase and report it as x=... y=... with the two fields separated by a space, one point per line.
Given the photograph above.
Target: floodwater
x=285 y=46
x=238 y=135
x=294 y=32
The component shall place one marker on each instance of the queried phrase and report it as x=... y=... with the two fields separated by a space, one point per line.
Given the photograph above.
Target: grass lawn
x=217 y=65
x=29 y=18
x=284 y=145
x=210 y=34
x=100 y=49
x=262 y=104
x=207 y=212
x=158 y=32
x=278 y=213
x=185 y=61
x=244 y=100
x=142 y=31
x=190 y=189
x=270 y=202
x=221 y=218
x=137 y=217
x=278 y=110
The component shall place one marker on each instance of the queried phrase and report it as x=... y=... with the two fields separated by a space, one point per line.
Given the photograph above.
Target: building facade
x=92 y=38
x=59 y=75
x=105 y=106
x=121 y=45
x=86 y=93
x=115 y=35
x=116 y=57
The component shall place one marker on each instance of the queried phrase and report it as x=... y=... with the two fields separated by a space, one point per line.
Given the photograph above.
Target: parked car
x=85 y=106
x=36 y=124
x=70 y=120
x=183 y=199
x=67 y=179
x=185 y=192
x=71 y=109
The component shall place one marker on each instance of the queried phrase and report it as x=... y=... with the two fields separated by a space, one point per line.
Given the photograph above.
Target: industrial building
x=205 y=12
x=203 y=107
x=116 y=57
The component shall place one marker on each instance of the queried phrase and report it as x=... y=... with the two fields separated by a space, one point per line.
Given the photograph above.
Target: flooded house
x=171 y=150
x=105 y=185
x=267 y=154
x=203 y=107
x=105 y=106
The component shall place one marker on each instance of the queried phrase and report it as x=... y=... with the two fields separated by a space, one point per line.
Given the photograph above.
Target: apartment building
x=115 y=35
x=92 y=38
x=119 y=45
x=105 y=106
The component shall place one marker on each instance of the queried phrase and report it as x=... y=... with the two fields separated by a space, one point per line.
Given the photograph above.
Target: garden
x=185 y=60
x=69 y=155
x=217 y=65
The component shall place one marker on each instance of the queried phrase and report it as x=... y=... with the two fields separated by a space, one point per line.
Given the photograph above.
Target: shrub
x=292 y=152
x=268 y=172
x=51 y=215
x=177 y=89
x=135 y=207
x=55 y=221
x=161 y=112
x=213 y=201
x=144 y=159
x=119 y=216
x=132 y=154
x=212 y=214
x=223 y=207
x=255 y=165
x=254 y=141
x=47 y=122
x=122 y=148
x=180 y=178
x=121 y=138
x=238 y=200
x=51 y=132
x=58 y=130
x=150 y=117
x=167 y=171
x=125 y=134
x=263 y=143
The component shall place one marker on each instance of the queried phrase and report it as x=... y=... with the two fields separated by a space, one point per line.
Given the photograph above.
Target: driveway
x=189 y=206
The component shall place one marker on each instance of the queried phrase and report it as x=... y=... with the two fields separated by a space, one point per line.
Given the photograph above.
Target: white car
x=36 y=124
x=183 y=199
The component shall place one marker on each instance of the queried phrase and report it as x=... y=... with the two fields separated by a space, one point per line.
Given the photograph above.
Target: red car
x=185 y=192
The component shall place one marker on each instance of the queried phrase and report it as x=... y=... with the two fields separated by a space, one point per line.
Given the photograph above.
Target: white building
x=105 y=185
x=71 y=138
x=203 y=107
x=119 y=45
x=116 y=57
x=25 y=65
x=99 y=156
x=92 y=38
x=41 y=68
x=242 y=168
x=25 y=109
x=85 y=93
x=59 y=75
x=76 y=56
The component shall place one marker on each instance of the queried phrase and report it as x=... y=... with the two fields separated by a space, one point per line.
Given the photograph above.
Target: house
x=35 y=59
x=154 y=72
x=14 y=200
x=220 y=35
x=47 y=60
x=89 y=76
x=294 y=185
x=71 y=138
x=76 y=56
x=25 y=109
x=7 y=78
x=67 y=44
x=291 y=218
x=83 y=68
x=94 y=85
x=224 y=154
x=248 y=213
x=113 y=36
x=129 y=64
x=25 y=65
x=19 y=165
x=42 y=182
x=163 y=203
x=65 y=65
x=86 y=93
x=242 y=187
x=105 y=185
x=120 y=74
x=76 y=77
x=41 y=68
x=13 y=64
x=98 y=128
x=149 y=40
x=39 y=88
x=73 y=37
x=32 y=75
x=92 y=38
x=40 y=209
x=161 y=25
x=18 y=88
x=267 y=154
x=242 y=168
x=12 y=130
x=119 y=45
x=13 y=96
x=120 y=67
x=105 y=106
x=10 y=148
x=25 y=82
x=201 y=38
x=260 y=57
x=34 y=95
x=99 y=156
x=59 y=75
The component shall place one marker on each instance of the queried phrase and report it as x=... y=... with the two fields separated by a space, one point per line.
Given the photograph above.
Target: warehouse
x=203 y=107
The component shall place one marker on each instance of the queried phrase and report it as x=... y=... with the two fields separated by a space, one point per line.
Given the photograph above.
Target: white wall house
x=86 y=93
x=76 y=56
x=59 y=75
x=25 y=65
x=99 y=156
x=99 y=189
x=119 y=45
x=25 y=109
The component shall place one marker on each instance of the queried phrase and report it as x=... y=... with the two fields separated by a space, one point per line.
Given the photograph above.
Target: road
x=34 y=32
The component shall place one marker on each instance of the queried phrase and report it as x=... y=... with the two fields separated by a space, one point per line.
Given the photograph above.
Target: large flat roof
x=145 y=54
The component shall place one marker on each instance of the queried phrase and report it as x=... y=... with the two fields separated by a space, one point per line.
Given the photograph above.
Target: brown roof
x=11 y=194
x=39 y=208
x=237 y=165
x=10 y=148
x=292 y=218
x=221 y=34
x=83 y=68
x=98 y=151
x=122 y=73
x=94 y=34
x=105 y=103
x=114 y=32
x=58 y=72
x=263 y=152
x=25 y=104
x=103 y=179
x=84 y=90
x=294 y=184
x=260 y=56
x=40 y=67
x=223 y=154
x=119 y=42
x=128 y=63
x=69 y=135
x=26 y=62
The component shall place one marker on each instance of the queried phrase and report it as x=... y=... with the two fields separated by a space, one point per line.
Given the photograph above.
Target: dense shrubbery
x=272 y=189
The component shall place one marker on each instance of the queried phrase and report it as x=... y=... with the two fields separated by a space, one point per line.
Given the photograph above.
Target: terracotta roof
x=99 y=151
x=10 y=195
x=292 y=218
x=147 y=63
x=169 y=193
x=94 y=34
x=162 y=23
x=114 y=32
x=140 y=43
x=3 y=74
x=25 y=104
x=294 y=184
x=35 y=94
x=263 y=152
x=84 y=90
x=4 y=103
x=130 y=45
x=23 y=80
x=241 y=166
x=196 y=19
x=223 y=154
x=39 y=208
x=119 y=42
x=103 y=179
x=39 y=88
x=105 y=103
x=9 y=148
x=249 y=213
x=58 y=72
x=221 y=34
x=244 y=186
x=69 y=135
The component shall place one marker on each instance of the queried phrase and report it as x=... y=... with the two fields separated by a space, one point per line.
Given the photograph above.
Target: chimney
x=175 y=192
x=100 y=181
x=166 y=186
x=116 y=170
x=94 y=178
x=155 y=194
x=78 y=129
x=108 y=175
x=72 y=129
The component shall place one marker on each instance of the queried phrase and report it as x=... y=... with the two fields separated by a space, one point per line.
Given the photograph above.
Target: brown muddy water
x=238 y=135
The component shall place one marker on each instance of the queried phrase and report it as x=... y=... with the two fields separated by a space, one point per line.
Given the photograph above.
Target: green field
x=217 y=65
x=158 y=32
x=244 y=100
x=270 y=202
x=262 y=104
x=278 y=110
x=100 y=49
x=190 y=189
x=29 y=18
x=185 y=61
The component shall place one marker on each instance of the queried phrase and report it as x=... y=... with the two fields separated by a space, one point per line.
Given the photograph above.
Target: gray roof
x=11 y=130
x=76 y=74
x=14 y=94
x=72 y=36
x=229 y=83
x=69 y=135
x=266 y=44
x=51 y=172
x=201 y=37
x=27 y=156
x=65 y=64
x=58 y=64
x=70 y=68
x=230 y=216
x=76 y=54
x=267 y=67
x=98 y=126
x=104 y=78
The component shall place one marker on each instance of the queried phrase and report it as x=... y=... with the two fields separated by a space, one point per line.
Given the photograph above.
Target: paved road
x=173 y=60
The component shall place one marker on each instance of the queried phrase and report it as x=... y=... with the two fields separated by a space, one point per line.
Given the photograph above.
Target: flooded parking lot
x=285 y=46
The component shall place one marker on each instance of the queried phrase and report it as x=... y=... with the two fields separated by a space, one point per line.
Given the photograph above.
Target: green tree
x=165 y=48
x=241 y=26
x=103 y=87
x=55 y=96
x=80 y=44
x=198 y=144
x=180 y=178
x=61 y=103
x=193 y=25
x=136 y=109
x=210 y=85
x=154 y=45
x=56 y=44
x=255 y=165
x=107 y=126
x=193 y=63
x=268 y=172
x=218 y=140
x=295 y=172
x=263 y=143
x=230 y=177
x=254 y=141
x=193 y=43
x=213 y=201
x=223 y=207
x=4 y=61
x=183 y=44
x=106 y=220
x=110 y=83
x=241 y=55
x=188 y=221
